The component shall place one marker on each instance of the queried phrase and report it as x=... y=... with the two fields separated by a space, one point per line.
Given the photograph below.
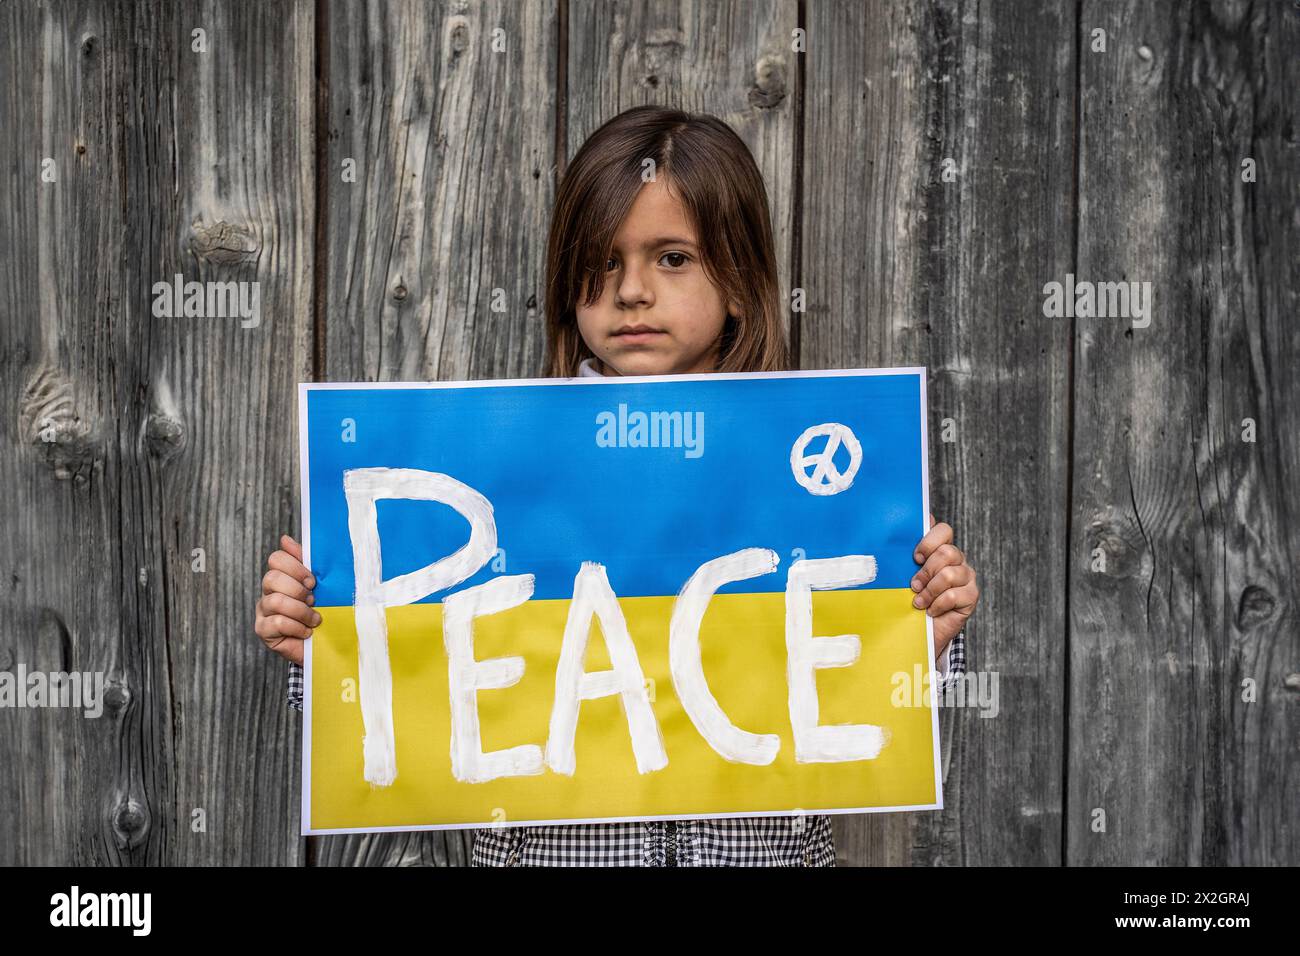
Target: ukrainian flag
x=582 y=470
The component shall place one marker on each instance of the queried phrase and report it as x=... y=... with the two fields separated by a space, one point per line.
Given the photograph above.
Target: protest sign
x=597 y=599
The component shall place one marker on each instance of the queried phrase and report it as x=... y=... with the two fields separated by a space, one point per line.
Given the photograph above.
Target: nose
x=632 y=289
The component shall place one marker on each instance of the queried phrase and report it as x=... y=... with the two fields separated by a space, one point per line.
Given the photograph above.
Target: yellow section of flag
x=743 y=648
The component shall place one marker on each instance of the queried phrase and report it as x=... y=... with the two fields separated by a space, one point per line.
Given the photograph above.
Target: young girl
x=660 y=262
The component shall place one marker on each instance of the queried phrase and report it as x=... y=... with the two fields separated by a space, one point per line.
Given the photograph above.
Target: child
x=660 y=261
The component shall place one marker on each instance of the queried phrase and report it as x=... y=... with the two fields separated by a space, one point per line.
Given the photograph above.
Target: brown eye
x=610 y=264
x=679 y=255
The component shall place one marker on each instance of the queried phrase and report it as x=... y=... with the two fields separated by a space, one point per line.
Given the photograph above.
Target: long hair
x=714 y=175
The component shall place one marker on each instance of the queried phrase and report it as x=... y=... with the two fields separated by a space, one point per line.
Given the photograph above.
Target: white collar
x=587 y=369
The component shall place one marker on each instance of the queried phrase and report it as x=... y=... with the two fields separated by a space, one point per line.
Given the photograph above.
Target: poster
x=599 y=599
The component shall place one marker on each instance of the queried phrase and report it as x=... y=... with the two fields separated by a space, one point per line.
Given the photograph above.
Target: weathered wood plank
x=904 y=268
x=168 y=434
x=219 y=449
x=454 y=147
x=56 y=426
x=732 y=59
x=435 y=256
x=1197 y=528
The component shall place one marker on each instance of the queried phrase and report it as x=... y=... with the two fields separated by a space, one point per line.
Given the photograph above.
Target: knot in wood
x=223 y=243
x=458 y=35
x=1109 y=551
x=48 y=420
x=769 y=83
x=1255 y=607
x=130 y=823
x=116 y=697
x=164 y=436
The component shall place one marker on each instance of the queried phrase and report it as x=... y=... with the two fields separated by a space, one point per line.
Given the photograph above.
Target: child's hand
x=284 y=614
x=946 y=584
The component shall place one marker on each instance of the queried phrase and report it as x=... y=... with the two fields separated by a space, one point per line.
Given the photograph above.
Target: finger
x=940 y=558
x=290 y=648
x=283 y=561
x=277 y=582
x=291 y=546
x=953 y=576
x=937 y=535
x=273 y=626
x=289 y=607
x=960 y=600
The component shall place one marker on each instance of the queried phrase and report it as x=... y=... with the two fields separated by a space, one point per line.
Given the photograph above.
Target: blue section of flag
x=650 y=515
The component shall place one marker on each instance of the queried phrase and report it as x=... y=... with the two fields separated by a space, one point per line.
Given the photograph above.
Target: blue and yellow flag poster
x=599 y=599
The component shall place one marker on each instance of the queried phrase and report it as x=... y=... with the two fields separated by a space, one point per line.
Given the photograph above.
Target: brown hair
x=713 y=173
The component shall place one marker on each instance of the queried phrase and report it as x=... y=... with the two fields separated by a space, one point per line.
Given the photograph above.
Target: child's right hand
x=285 y=617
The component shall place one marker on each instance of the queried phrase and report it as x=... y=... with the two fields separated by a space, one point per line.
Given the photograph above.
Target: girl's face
x=659 y=314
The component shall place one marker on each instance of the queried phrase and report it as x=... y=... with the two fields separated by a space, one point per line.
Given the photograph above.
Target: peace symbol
x=825 y=478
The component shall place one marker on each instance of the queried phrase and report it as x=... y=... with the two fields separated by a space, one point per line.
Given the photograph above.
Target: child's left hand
x=946 y=584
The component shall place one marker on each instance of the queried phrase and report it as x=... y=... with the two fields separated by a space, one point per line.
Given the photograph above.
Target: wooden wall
x=1135 y=553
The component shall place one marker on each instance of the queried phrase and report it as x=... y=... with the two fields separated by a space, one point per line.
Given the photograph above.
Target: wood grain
x=167 y=434
x=1197 y=527
x=435 y=255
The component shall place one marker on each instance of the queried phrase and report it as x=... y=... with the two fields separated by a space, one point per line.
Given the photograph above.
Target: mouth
x=632 y=334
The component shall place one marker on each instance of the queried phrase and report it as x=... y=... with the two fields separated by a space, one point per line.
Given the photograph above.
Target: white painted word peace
x=592 y=595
